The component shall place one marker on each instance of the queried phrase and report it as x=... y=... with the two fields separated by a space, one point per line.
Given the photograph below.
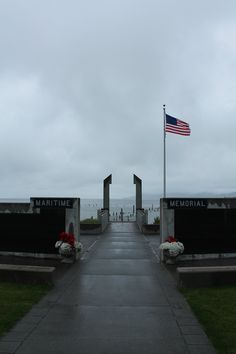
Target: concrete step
x=206 y=276
x=26 y=274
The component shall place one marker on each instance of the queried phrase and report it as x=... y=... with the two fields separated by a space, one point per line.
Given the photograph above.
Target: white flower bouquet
x=64 y=249
x=67 y=245
x=171 y=247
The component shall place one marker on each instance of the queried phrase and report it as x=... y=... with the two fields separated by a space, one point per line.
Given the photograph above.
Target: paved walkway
x=117 y=300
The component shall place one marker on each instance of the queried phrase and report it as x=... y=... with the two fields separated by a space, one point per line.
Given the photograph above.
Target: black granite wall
x=206 y=230
x=35 y=233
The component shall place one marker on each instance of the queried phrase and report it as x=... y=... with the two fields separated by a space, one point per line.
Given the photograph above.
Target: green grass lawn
x=16 y=300
x=216 y=310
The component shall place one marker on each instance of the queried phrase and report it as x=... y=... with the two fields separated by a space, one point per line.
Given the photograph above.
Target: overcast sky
x=82 y=86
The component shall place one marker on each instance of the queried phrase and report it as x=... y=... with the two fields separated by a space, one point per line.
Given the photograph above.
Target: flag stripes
x=176 y=126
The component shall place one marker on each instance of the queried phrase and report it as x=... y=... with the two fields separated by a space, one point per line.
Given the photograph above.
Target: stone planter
x=68 y=258
x=168 y=259
x=75 y=255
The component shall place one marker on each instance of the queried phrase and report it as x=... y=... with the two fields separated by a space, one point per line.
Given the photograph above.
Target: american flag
x=176 y=126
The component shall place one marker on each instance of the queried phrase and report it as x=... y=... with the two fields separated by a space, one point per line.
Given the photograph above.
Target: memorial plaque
x=187 y=203
x=52 y=203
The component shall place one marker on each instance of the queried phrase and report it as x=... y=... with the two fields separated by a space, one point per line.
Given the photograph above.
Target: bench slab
x=193 y=277
x=26 y=274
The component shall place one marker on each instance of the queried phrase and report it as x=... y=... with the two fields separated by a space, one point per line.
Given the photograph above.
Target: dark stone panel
x=206 y=230
x=35 y=233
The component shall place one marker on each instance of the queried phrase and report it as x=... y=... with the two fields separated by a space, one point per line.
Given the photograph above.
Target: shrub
x=89 y=221
x=157 y=220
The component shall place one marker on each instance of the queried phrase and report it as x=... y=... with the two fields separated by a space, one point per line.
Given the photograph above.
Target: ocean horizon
x=90 y=206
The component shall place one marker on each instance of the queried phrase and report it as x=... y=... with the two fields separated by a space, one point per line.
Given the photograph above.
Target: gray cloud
x=82 y=86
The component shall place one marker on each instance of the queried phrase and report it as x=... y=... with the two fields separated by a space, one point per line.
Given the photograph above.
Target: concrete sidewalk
x=117 y=299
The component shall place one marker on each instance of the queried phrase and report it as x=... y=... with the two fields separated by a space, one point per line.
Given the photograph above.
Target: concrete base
x=206 y=256
x=31 y=255
x=26 y=274
x=194 y=277
x=151 y=229
x=90 y=229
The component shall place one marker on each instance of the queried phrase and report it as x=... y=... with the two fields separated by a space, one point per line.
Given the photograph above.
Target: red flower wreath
x=67 y=238
x=171 y=239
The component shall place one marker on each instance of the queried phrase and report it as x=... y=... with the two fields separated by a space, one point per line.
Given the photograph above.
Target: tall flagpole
x=164 y=167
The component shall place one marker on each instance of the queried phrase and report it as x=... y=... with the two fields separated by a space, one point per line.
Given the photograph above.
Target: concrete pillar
x=138 y=183
x=167 y=220
x=72 y=219
x=106 y=192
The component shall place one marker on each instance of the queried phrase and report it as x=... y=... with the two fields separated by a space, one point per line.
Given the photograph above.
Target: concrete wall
x=103 y=217
x=91 y=229
x=141 y=218
x=167 y=220
x=205 y=226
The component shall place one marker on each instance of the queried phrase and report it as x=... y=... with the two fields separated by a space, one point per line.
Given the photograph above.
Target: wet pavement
x=117 y=299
